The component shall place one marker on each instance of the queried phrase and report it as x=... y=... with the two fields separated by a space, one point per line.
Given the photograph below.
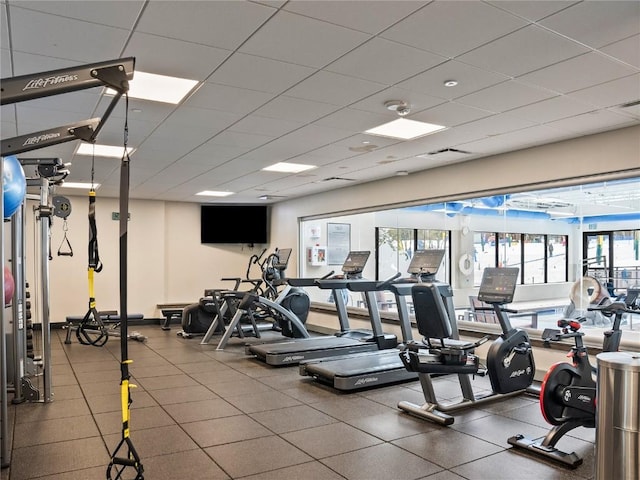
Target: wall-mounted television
x=234 y=224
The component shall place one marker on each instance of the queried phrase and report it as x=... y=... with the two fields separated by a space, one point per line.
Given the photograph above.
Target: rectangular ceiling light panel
x=404 y=129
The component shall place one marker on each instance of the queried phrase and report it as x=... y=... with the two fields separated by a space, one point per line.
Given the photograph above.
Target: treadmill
x=382 y=367
x=345 y=342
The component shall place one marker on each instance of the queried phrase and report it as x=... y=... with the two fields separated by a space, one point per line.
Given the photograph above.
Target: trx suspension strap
x=120 y=462
x=91 y=330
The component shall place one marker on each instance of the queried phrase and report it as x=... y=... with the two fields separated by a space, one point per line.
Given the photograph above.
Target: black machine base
x=535 y=446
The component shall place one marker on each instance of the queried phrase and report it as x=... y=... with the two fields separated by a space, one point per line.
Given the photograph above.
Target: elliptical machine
x=568 y=391
x=509 y=364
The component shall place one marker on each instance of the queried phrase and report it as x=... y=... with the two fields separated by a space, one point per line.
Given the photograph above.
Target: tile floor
x=202 y=414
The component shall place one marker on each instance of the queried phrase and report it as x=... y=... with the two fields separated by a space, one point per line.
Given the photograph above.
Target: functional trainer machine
x=509 y=363
x=381 y=367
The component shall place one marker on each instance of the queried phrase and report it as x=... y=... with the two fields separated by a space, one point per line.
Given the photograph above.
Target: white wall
x=168 y=264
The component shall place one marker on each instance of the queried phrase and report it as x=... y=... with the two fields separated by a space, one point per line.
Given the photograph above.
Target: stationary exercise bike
x=568 y=391
x=509 y=362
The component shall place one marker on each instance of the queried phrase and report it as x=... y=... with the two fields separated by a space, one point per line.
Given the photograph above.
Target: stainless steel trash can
x=618 y=416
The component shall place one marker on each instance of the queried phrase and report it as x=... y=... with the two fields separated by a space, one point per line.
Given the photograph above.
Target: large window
x=395 y=247
x=540 y=258
x=556 y=237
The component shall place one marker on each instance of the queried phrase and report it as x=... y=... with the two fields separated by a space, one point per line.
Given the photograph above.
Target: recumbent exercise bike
x=509 y=364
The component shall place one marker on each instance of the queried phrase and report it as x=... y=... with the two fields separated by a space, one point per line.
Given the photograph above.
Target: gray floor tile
x=346 y=407
x=292 y=418
x=111 y=403
x=58 y=457
x=332 y=439
x=37 y=412
x=55 y=430
x=437 y=447
x=167 y=396
x=224 y=430
x=391 y=425
x=140 y=418
x=168 y=381
x=383 y=462
x=245 y=387
x=506 y=464
x=262 y=401
x=266 y=454
x=155 y=441
x=311 y=470
x=497 y=429
x=191 y=465
x=201 y=410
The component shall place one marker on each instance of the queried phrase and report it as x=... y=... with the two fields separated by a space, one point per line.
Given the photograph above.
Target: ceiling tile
x=552 y=109
x=96 y=11
x=417 y=101
x=227 y=99
x=261 y=74
x=334 y=89
x=450 y=114
x=221 y=24
x=533 y=10
x=295 y=109
x=505 y=96
x=272 y=127
x=627 y=50
x=577 y=73
x=152 y=51
x=597 y=24
x=397 y=61
x=355 y=121
x=301 y=40
x=469 y=78
x=593 y=122
x=368 y=17
x=616 y=92
x=453 y=28
x=30 y=36
x=523 y=51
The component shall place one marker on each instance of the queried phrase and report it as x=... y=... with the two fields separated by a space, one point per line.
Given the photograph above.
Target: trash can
x=618 y=416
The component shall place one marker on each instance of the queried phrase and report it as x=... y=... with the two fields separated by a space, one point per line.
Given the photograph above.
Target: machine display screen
x=426 y=262
x=498 y=285
x=355 y=262
x=283 y=258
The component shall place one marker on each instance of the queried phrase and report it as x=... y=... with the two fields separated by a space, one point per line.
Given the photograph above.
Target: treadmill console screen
x=425 y=262
x=498 y=285
x=355 y=262
x=283 y=258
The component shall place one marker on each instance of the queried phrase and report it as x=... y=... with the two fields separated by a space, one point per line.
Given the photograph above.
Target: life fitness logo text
x=40 y=138
x=47 y=81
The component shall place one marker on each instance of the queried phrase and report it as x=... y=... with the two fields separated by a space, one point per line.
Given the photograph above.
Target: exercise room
x=320 y=240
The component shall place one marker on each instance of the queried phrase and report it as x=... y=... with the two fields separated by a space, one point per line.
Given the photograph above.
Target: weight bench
x=108 y=317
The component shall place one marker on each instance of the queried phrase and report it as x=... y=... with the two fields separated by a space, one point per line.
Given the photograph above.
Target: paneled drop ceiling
x=300 y=81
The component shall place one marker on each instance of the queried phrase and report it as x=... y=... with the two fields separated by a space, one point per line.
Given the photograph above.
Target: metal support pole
x=19 y=305
x=44 y=294
x=4 y=413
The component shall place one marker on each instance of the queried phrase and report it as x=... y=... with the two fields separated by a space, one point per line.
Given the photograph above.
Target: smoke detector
x=401 y=107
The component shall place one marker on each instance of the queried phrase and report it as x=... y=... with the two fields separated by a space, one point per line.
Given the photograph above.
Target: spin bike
x=568 y=391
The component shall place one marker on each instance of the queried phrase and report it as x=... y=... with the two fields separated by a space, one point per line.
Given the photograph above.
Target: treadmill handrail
x=370 y=285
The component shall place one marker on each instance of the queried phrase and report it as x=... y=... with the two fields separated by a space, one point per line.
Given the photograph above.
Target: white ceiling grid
x=301 y=81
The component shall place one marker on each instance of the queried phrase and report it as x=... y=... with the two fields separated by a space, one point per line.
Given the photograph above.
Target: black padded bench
x=169 y=314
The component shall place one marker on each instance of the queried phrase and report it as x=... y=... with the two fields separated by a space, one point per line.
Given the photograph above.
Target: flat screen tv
x=234 y=224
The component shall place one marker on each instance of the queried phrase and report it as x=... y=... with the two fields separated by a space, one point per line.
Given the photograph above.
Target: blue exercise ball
x=14 y=185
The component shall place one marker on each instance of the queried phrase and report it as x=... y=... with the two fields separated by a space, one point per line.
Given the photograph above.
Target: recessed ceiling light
x=158 y=88
x=103 y=150
x=405 y=129
x=213 y=193
x=450 y=83
x=286 y=167
x=85 y=185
